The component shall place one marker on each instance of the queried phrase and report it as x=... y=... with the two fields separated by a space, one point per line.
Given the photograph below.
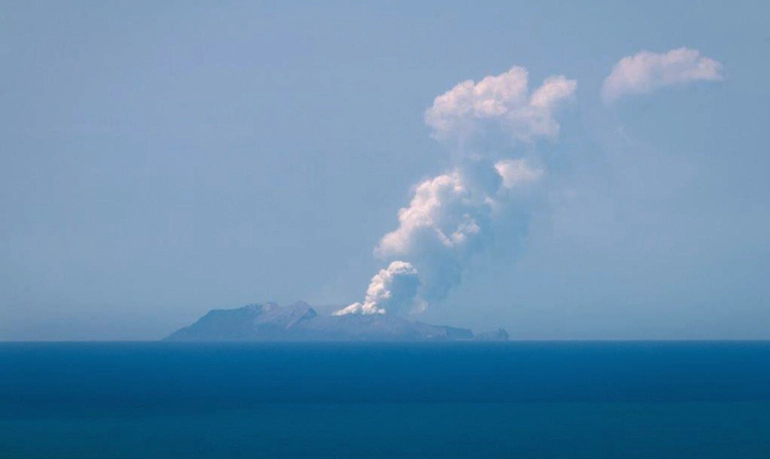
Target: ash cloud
x=499 y=104
x=453 y=216
x=393 y=288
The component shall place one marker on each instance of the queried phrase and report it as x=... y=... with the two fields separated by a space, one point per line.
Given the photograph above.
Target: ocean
x=395 y=400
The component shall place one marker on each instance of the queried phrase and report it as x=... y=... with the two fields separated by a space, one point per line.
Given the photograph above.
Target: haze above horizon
x=592 y=171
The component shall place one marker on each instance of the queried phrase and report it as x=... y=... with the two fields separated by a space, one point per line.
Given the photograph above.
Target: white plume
x=394 y=288
x=452 y=216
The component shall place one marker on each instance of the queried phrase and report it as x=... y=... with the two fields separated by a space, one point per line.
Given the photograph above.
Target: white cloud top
x=645 y=72
x=503 y=100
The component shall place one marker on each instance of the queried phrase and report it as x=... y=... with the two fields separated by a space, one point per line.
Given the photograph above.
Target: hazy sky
x=157 y=161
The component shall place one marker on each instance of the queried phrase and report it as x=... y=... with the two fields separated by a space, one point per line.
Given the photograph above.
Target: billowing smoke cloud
x=394 y=288
x=446 y=222
x=645 y=72
x=500 y=103
x=452 y=216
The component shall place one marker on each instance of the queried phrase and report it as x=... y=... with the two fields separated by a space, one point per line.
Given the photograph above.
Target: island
x=301 y=322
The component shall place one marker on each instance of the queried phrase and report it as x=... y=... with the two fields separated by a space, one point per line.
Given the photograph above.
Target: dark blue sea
x=451 y=400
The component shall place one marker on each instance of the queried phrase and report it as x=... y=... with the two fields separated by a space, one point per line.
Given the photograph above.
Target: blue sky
x=158 y=161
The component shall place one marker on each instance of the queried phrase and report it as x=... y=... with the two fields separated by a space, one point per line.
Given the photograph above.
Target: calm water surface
x=452 y=400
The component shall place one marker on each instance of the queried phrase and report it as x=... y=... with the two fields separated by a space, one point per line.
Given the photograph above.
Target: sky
x=161 y=160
